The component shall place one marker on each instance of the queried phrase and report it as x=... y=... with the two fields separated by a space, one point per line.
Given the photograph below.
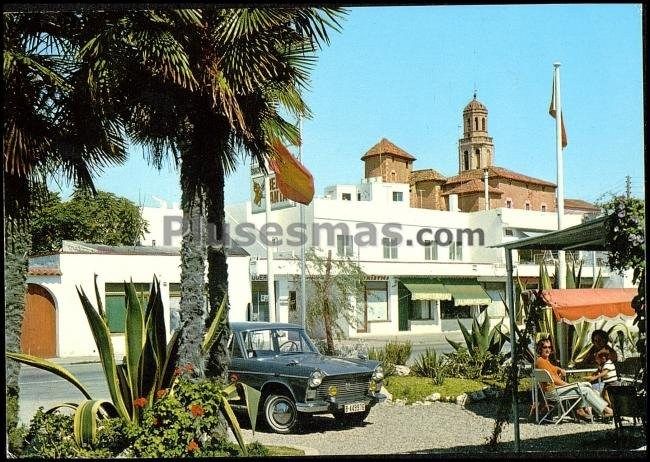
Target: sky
x=405 y=73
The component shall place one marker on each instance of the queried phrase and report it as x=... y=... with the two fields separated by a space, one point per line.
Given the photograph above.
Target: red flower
x=183 y=369
x=140 y=402
x=161 y=393
x=196 y=410
x=192 y=446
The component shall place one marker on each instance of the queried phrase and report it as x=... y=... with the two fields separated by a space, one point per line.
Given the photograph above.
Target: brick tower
x=475 y=148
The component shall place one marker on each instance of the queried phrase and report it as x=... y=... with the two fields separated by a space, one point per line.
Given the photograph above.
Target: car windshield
x=269 y=342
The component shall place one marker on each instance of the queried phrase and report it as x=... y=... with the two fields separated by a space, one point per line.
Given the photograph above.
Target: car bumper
x=331 y=405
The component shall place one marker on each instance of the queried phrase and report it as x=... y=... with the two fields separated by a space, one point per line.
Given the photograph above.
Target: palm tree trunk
x=218 y=357
x=17 y=247
x=327 y=313
x=192 y=303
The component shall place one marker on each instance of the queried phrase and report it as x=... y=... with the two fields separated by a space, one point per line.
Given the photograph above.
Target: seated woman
x=590 y=397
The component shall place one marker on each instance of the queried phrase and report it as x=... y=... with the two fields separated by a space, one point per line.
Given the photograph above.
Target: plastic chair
x=550 y=400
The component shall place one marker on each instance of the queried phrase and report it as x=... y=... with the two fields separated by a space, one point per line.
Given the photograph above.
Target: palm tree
x=53 y=123
x=211 y=90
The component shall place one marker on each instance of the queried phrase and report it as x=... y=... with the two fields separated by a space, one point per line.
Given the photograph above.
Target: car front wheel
x=280 y=413
x=355 y=418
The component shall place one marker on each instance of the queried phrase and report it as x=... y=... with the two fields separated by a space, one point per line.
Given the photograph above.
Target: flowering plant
x=186 y=422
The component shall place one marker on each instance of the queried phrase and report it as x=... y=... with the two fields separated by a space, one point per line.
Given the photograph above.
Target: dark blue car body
x=278 y=359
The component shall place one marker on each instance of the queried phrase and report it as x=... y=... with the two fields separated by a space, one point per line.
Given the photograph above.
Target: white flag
x=553 y=112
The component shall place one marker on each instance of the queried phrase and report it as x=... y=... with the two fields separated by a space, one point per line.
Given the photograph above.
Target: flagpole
x=303 y=292
x=270 y=279
x=560 y=172
x=561 y=270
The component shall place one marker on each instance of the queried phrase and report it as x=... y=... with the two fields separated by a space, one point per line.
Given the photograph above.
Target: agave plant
x=577 y=335
x=429 y=364
x=148 y=366
x=482 y=339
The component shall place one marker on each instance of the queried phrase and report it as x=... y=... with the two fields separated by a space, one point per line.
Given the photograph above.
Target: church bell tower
x=475 y=148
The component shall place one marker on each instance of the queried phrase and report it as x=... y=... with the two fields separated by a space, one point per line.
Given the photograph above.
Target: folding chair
x=550 y=400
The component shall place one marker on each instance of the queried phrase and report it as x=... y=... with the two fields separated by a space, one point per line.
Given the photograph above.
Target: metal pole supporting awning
x=589 y=235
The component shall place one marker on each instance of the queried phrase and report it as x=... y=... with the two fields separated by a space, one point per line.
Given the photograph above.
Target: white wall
x=74 y=337
x=155 y=217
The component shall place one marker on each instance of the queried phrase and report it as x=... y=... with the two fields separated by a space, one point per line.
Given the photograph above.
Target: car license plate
x=354 y=407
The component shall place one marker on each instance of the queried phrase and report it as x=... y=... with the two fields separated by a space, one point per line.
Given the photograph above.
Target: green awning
x=467 y=292
x=426 y=289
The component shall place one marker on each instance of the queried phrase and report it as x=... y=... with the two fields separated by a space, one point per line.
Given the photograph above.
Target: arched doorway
x=38 y=335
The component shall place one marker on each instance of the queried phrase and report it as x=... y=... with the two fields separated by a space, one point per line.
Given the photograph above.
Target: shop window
x=449 y=311
x=423 y=309
x=376 y=300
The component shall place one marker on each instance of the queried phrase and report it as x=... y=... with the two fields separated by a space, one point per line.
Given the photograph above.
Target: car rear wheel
x=280 y=413
x=355 y=418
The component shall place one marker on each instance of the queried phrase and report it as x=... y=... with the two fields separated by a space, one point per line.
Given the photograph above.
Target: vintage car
x=296 y=380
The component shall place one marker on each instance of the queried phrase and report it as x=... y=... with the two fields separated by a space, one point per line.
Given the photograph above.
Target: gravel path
x=436 y=428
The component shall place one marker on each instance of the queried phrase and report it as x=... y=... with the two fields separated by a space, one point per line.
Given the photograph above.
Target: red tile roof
x=472 y=186
x=386 y=147
x=427 y=174
x=496 y=172
x=43 y=271
x=579 y=204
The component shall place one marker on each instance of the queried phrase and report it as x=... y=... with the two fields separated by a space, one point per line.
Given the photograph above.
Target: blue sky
x=406 y=73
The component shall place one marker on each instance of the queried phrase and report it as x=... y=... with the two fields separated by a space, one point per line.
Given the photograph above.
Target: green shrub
x=15 y=433
x=462 y=364
x=429 y=364
x=398 y=352
x=185 y=422
x=379 y=354
x=50 y=435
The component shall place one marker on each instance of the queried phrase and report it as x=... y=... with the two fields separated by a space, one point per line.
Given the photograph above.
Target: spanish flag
x=552 y=110
x=293 y=179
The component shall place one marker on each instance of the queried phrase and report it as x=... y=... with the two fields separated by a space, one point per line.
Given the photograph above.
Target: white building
x=453 y=281
x=55 y=323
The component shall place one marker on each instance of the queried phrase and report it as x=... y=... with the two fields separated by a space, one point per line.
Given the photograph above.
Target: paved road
x=41 y=388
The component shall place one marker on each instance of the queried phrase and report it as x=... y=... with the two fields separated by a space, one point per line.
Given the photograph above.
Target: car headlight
x=315 y=379
x=378 y=374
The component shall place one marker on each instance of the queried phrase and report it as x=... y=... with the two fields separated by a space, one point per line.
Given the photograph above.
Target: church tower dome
x=475 y=148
